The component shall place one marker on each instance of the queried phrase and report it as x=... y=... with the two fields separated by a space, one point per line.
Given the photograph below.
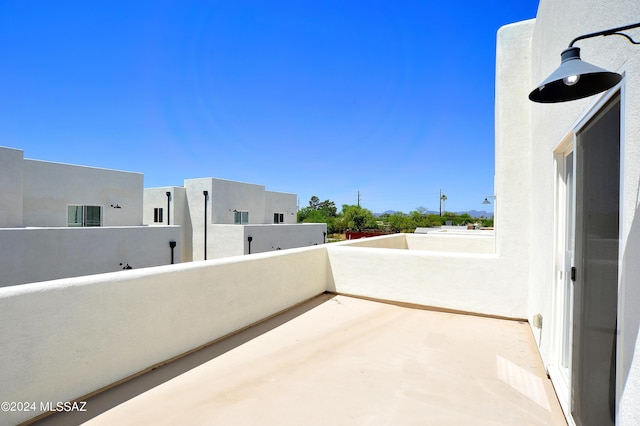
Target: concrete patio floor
x=344 y=361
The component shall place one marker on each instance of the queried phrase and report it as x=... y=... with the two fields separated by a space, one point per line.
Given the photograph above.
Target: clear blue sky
x=394 y=98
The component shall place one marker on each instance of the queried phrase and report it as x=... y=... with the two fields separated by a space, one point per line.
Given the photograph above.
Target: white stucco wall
x=232 y=240
x=178 y=213
x=519 y=121
x=225 y=240
x=41 y=254
x=121 y=323
x=441 y=242
x=513 y=181
x=50 y=187
x=157 y=198
x=64 y=339
x=11 y=176
x=196 y=202
x=461 y=281
x=283 y=236
x=280 y=202
x=181 y=216
x=471 y=243
x=229 y=195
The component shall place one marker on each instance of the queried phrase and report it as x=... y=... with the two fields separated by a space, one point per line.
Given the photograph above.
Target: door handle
x=573 y=273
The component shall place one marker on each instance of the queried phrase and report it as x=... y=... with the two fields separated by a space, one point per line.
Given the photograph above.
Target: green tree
x=319 y=212
x=358 y=218
x=314 y=202
x=400 y=222
x=464 y=219
x=435 y=220
x=421 y=210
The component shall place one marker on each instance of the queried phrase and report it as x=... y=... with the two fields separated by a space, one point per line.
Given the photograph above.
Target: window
x=80 y=216
x=278 y=218
x=157 y=215
x=240 y=218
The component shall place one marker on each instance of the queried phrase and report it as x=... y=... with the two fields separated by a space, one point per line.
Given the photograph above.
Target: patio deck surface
x=344 y=361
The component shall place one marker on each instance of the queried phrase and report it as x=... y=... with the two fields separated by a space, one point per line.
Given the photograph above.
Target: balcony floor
x=341 y=360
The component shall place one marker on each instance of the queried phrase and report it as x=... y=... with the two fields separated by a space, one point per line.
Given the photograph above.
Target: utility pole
x=358 y=198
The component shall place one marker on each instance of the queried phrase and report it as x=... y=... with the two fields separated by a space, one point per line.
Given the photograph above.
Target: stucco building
x=564 y=260
x=61 y=220
x=241 y=218
x=570 y=171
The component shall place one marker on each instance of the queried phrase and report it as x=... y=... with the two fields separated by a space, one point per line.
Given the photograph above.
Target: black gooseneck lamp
x=206 y=197
x=576 y=79
x=168 y=207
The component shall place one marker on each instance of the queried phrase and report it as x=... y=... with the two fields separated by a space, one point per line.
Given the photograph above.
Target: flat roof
x=342 y=360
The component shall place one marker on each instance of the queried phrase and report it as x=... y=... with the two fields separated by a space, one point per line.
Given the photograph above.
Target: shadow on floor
x=116 y=395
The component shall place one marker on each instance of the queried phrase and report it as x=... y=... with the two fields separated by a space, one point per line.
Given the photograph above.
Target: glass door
x=566 y=291
x=595 y=272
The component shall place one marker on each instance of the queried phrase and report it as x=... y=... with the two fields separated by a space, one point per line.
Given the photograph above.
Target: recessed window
x=240 y=218
x=278 y=218
x=157 y=215
x=81 y=216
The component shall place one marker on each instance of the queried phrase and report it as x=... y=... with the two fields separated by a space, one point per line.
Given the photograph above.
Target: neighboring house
x=60 y=220
x=241 y=218
x=571 y=171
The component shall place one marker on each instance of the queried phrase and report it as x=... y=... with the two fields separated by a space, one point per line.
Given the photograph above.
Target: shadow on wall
x=104 y=401
x=631 y=315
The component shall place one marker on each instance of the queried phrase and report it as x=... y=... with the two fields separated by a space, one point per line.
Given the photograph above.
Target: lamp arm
x=612 y=31
x=632 y=41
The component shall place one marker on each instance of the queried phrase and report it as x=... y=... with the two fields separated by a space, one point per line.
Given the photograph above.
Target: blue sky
x=394 y=99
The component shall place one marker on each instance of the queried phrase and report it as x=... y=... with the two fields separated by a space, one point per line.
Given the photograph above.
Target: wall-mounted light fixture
x=486 y=199
x=172 y=245
x=576 y=79
x=116 y=206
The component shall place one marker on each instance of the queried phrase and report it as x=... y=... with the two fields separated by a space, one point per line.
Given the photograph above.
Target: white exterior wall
x=64 y=339
x=229 y=195
x=473 y=243
x=546 y=126
x=50 y=187
x=460 y=281
x=40 y=254
x=280 y=202
x=196 y=202
x=157 y=198
x=159 y=313
x=223 y=239
x=178 y=213
x=11 y=176
x=280 y=237
x=226 y=240
x=232 y=240
x=514 y=169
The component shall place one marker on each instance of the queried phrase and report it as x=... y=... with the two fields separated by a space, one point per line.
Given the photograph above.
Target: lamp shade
x=574 y=79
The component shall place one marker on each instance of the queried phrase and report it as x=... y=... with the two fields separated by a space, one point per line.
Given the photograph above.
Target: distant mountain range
x=472 y=213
